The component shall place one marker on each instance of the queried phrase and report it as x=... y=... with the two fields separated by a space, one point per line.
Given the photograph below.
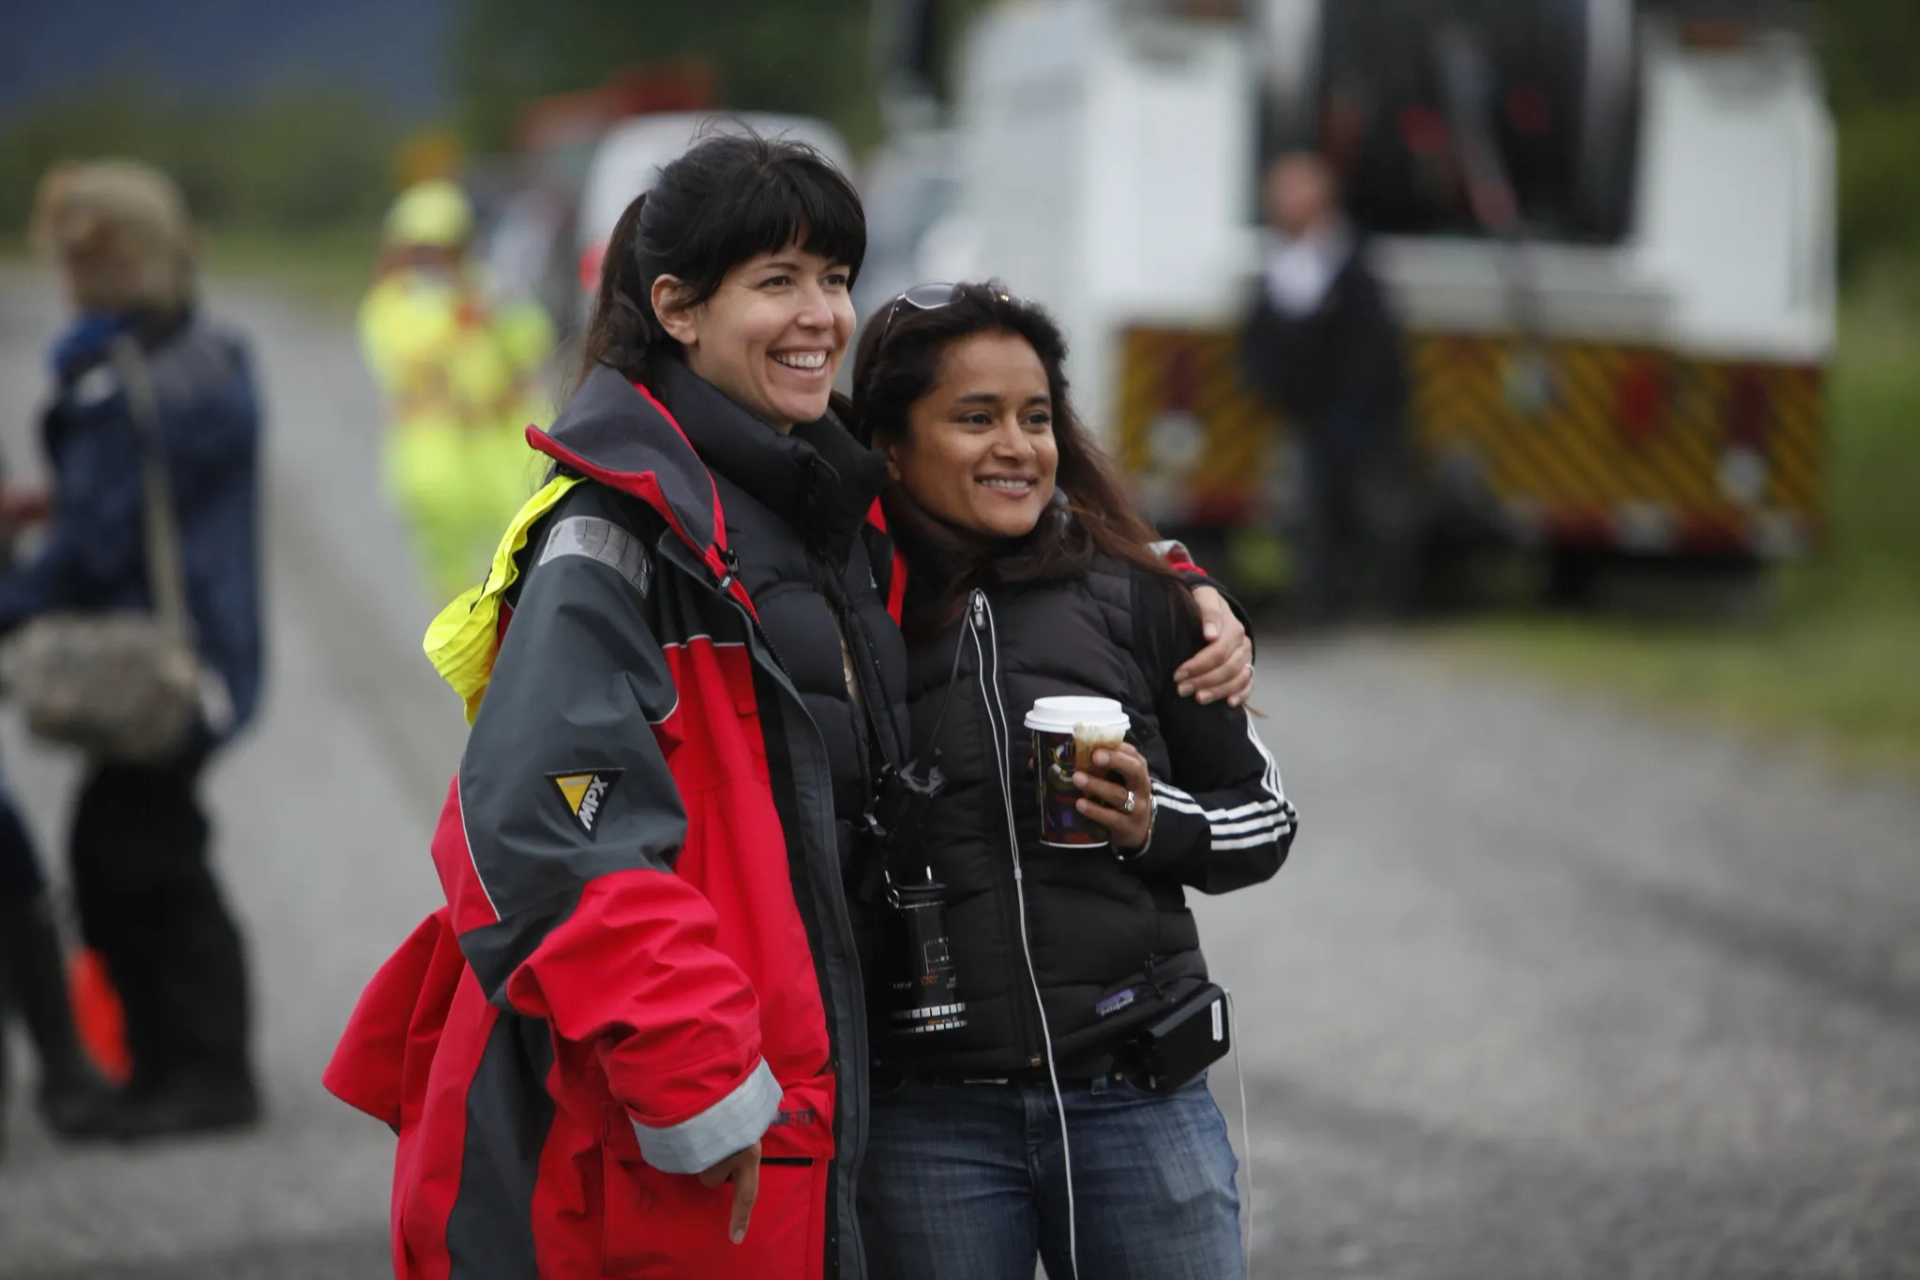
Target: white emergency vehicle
x=1635 y=364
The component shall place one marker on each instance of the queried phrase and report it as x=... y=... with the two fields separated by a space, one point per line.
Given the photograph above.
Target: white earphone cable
x=1002 y=738
x=1246 y=1132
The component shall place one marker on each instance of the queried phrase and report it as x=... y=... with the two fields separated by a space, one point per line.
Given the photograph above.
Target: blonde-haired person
x=120 y=232
x=119 y=235
x=460 y=375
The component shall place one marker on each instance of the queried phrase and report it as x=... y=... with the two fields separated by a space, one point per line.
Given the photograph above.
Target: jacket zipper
x=985 y=641
x=850 y=1132
x=731 y=559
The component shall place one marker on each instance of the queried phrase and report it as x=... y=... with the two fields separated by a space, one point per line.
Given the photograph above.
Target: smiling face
x=772 y=336
x=979 y=451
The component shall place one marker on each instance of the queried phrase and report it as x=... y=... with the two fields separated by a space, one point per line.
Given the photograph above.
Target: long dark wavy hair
x=731 y=196
x=899 y=361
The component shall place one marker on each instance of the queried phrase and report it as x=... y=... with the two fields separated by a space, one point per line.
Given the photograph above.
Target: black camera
x=923 y=987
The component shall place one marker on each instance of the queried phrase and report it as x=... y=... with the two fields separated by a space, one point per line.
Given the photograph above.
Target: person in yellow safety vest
x=460 y=375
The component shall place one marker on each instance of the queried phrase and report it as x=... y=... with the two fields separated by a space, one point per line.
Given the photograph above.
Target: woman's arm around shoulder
x=1222 y=821
x=560 y=841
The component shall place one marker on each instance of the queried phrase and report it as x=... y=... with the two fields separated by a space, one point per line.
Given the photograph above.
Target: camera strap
x=904 y=792
x=865 y=686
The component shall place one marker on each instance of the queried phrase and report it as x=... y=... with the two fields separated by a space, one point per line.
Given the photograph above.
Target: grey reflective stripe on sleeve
x=601 y=540
x=729 y=1125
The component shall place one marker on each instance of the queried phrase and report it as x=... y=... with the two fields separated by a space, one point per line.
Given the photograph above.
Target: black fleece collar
x=817 y=478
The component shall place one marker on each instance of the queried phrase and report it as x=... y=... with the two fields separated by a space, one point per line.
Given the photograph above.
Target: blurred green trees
x=807 y=56
x=816 y=56
x=298 y=160
x=1869 y=51
x=294 y=161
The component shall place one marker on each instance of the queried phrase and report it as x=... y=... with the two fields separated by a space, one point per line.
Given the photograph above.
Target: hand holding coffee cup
x=1105 y=800
x=1073 y=739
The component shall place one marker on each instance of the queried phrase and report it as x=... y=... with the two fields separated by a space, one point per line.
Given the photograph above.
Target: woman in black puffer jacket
x=1029 y=578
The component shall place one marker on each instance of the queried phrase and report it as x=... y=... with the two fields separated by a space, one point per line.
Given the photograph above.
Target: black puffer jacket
x=796 y=509
x=1108 y=943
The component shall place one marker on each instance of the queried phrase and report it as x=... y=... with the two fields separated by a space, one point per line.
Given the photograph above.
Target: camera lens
x=926 y=992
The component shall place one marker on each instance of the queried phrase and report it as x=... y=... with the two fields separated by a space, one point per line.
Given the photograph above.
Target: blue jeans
x=966 y=1182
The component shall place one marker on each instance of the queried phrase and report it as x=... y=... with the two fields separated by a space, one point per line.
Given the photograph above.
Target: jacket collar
x=617 y=434
x=817 y=478
x=89 y=339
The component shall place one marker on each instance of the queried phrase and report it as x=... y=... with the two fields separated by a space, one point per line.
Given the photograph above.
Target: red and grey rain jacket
x=645 y=962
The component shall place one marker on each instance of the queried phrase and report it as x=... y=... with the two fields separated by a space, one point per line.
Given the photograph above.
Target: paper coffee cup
x=1066 y=733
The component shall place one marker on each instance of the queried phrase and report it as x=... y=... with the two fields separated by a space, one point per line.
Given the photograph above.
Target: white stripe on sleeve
x=1242 y=826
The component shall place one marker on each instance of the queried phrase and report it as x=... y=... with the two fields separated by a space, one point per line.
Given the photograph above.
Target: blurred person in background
x=461 y=379
x=1322 y=343
x=142 y=878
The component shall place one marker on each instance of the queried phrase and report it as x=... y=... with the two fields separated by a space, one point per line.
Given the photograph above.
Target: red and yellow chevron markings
x=1581 y=442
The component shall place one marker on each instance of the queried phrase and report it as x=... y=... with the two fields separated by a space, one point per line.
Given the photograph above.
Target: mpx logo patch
x=585 y=794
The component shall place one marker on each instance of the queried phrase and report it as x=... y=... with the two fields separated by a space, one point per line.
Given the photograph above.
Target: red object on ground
x=97 y=1015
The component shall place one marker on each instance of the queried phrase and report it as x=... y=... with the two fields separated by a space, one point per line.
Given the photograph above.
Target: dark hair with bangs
x=899 y=361
x=731 y=196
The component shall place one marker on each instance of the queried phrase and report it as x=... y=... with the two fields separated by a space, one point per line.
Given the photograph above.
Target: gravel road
x=1549 y=990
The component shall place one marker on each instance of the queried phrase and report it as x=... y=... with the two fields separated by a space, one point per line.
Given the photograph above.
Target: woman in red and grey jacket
x=682 y=671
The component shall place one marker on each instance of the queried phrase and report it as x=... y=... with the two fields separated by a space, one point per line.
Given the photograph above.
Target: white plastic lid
x=1060 y=715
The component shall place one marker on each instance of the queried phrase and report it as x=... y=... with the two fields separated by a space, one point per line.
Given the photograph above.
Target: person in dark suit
x=1323 y=344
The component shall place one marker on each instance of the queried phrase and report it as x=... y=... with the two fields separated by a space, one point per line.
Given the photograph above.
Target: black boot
x=74 y=1100
x=187 y=1106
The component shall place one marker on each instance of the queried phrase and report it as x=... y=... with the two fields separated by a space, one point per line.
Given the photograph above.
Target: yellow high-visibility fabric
x=434 y=213
x=462 y=640
x=461 y=383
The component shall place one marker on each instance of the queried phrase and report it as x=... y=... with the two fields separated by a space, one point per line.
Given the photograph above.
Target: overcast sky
x=394 y=47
